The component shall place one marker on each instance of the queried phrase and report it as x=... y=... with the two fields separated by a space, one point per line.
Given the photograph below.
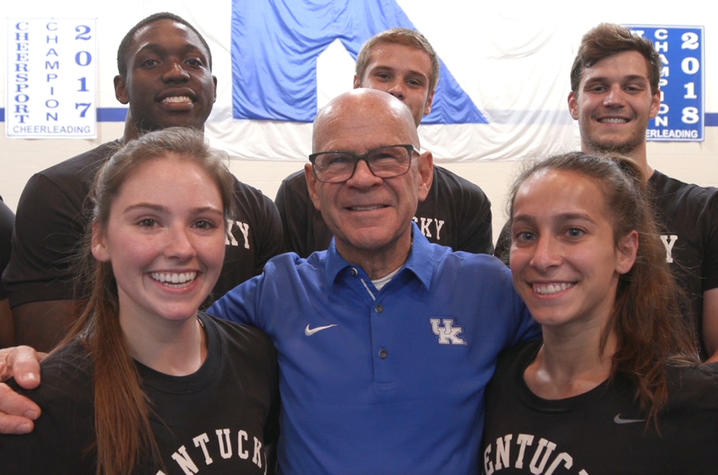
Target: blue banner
x=276 y=43
x=681 y=116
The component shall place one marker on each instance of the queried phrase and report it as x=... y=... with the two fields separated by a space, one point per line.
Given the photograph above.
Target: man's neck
x=131 y=131
x=378 y=262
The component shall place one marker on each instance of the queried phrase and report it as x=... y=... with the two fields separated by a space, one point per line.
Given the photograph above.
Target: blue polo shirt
x=383 y=381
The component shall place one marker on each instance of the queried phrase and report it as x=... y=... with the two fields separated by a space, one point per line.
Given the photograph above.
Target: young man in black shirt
x=614 y=93
x=456 y=212
x=165 y=75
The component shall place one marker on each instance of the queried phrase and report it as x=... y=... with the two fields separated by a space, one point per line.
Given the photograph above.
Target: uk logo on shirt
x=446 y=331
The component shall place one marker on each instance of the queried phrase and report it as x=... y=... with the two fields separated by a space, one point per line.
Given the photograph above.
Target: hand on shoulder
x=17 y=412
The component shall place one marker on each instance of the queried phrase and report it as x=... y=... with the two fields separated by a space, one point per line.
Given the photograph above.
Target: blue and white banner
x=504 y=80
x=50 y=78
x=275 y=46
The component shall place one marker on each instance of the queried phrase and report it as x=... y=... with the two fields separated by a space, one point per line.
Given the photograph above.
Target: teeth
x=177 y=99
x=365 y=208
x=546 y=289
x=174 y=278
x=614 y=120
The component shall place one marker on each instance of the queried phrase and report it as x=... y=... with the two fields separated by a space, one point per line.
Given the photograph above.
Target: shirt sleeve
x=238 y=305
x=270 y=240
x=63 y=436
x=7 y=220
x=710 y=255
x=49 y=227
x=466 y=208
x=293 y=203
x=254 y=237
x=476 y=232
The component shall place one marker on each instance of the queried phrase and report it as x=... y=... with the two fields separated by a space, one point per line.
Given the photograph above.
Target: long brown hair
x=122 y=425
x=647 y=320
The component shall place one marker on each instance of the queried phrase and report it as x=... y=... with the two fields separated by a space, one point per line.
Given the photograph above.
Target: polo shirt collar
x=422 y=256
x=420 y=261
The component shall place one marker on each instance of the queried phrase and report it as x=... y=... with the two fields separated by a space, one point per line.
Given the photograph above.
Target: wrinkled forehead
x=359 y=126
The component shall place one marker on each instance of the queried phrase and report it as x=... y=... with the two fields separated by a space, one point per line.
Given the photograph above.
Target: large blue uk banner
x=276 y=43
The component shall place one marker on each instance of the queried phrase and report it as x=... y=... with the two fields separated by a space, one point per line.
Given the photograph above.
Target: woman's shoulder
x=64 y=429
x=521 y=354
x=74 y=353
x=65 y=373
x=238 y=336
x=512 y=362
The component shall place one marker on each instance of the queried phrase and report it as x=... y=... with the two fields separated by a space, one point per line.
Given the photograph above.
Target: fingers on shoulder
x=16 y=412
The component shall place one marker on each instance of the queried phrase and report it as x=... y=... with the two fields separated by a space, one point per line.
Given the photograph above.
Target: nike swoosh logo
x=311 y=331
x=620 y=420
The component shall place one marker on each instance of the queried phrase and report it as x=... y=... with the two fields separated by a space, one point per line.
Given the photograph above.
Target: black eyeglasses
x=385 y=162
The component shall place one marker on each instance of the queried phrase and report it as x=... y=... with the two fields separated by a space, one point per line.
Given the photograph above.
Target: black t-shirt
x=7 y=218
x=456 y=213
x=54 y=211
x=602 y=431
x=221 y=419
x=688 y=221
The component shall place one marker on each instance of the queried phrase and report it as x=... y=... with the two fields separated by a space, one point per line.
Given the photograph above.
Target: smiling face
x=165 y=240
x=564 y=260
x=369 y=216
x=168 y=80
x=613 y=105
x=404 y=72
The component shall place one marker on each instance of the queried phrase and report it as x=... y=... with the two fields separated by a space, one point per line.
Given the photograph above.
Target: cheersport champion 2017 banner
x=681 y=115
x=51 y=77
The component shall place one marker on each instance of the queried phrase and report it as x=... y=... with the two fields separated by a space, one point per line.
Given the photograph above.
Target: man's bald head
x=362 y=107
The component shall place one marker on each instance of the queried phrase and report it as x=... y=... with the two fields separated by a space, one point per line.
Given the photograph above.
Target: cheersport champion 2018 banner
x=680 y=117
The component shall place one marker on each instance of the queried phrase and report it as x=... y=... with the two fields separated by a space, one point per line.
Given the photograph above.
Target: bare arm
x=710 y=323
x=43 y=324
x=17 y=412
